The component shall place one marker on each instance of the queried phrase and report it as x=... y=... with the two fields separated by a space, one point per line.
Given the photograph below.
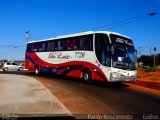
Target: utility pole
x=27 y=37
x=154 y=58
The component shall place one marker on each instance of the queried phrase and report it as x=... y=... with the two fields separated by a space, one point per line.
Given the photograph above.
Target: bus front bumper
x=122 y=78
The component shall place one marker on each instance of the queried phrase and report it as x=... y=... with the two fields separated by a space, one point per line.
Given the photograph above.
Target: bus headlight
x=115 y=74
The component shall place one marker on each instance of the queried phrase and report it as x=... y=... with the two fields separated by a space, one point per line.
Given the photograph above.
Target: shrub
x=149 y=69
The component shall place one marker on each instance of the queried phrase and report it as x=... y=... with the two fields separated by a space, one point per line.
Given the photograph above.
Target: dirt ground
x=148 y=79
x=148 y=76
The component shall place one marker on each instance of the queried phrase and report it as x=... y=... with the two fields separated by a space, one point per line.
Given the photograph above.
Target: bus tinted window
x=74 y=43
x=44 y=45
x=79 y=43
x=70 y=44
x=51 y=46
x=102 y=49
x=29 y=47
x=41 y=46
x=35 y=47
x=86 y=42
x=59 y=45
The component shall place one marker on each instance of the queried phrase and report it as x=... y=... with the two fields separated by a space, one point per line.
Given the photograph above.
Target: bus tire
x=87 y=76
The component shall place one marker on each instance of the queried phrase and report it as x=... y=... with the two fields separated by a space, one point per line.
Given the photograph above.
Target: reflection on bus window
x=43 y=46
x=86 y=42
x=51 y=46
x=59 y=45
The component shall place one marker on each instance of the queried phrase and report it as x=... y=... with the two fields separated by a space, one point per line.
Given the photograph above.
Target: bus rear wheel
x=87 y=76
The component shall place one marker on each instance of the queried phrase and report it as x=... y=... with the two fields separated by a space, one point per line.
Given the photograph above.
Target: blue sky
x=50 y=18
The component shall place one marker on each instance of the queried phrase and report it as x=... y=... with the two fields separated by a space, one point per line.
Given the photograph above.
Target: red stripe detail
x=61 y=71
x=91 y=66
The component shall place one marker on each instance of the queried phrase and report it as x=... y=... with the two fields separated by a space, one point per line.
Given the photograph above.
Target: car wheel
x=5 y=69
x=20 y=69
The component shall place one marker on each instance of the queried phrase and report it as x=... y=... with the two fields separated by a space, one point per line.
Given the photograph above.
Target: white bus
x=93 y=55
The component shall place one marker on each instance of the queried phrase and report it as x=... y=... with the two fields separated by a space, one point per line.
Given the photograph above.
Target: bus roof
x=78 y=34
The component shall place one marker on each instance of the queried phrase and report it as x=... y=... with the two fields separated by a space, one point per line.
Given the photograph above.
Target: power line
x=127 y=21
x=12 y=46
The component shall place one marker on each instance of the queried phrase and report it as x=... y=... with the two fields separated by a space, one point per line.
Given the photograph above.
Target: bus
x=93 y=55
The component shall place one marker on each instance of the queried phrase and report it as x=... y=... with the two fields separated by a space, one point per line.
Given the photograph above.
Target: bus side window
x=82 y=42
x=63 y=44
x=35 y=46
x=76 y=46
x=59 y=45
x=44 y=44
x=39 y=47
x=29 y=47
x=67 y=45
x=89 y=42
x=86 y=42
x=51 y=46
x=72 y=45
x=55 y=46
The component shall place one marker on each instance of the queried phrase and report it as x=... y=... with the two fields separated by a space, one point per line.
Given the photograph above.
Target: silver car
x=12 y=66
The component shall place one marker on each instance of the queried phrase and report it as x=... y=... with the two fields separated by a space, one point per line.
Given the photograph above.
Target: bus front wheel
x=87 y=76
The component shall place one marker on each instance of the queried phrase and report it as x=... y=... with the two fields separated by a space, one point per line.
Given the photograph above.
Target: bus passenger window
x=63 y=44
x=82 y=42
x=67 y=45
x=35 y=47
x=77 y=44
x=51 y=46
x=59 y=45
x=86 y=43
x=29 y=47
x=39 y=46
x=70 y=44
x=55 y=45
x=43 y=46
x=73 y=44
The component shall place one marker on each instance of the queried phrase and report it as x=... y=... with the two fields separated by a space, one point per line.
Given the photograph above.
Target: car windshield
x=124 y=58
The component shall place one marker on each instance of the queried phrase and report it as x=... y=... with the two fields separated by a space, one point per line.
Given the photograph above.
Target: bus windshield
x=124 y=58
x=124 y=53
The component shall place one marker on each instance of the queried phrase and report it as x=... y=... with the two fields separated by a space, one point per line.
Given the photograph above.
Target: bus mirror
x=112 y=50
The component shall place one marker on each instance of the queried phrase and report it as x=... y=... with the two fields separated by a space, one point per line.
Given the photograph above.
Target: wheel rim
x=36 y=71
x=86 y=77
x=6 y=69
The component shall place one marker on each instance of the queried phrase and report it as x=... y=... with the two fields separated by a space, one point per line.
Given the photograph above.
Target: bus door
x=102 y=49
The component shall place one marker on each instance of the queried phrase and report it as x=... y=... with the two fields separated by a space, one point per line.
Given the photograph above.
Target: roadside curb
x=147 y=84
